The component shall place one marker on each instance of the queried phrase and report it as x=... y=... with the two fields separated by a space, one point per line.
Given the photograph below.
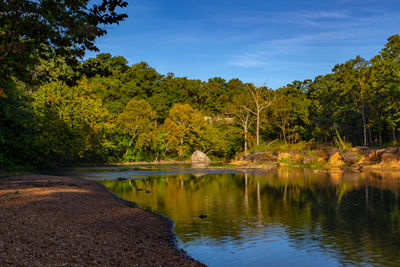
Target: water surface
x=286 y=217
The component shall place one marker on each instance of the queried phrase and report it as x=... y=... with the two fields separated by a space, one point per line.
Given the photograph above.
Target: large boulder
x=199 y=156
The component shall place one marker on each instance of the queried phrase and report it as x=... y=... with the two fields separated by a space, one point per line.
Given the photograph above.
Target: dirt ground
x=64 y=221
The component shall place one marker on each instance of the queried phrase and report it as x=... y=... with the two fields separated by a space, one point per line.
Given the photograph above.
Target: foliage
x=31 y=30
x=281 y=146
x=291 y=112
x=68 y=124
x=106 y=110
x=188 y=125
x=242 y=115
x=136 y=118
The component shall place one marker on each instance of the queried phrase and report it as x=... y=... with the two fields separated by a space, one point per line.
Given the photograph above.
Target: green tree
x=105 y=65
x=351 y=84
x=386 y=82
x=38 y=39
x=291 y=111
x=36 y=29
x=68 y=124
x=136 y=119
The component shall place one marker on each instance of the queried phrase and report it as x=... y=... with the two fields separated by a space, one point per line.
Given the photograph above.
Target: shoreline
x=172 y=238
x=58 y=220
x=273 y=165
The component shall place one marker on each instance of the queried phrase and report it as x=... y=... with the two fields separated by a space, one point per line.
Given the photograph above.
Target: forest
x=55 y=109
x=105 y=110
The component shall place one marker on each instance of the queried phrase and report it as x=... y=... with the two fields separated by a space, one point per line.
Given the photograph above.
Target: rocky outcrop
x=378 y=158
x=389 y=155
x=283 y=158
x=368 y=155
x=258 y=157
x=356 y=158
x=199 y=156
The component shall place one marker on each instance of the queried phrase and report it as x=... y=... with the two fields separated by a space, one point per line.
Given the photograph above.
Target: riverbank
x=52 y=220
x=357 y=158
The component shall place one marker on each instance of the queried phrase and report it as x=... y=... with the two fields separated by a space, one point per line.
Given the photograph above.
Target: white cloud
x=286 y=17
x=248 y=60
x=344 y=35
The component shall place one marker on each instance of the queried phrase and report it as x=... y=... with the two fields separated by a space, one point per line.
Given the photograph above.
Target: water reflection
x=285 y=217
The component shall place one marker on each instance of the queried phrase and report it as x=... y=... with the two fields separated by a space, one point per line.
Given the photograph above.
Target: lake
x=283 y=217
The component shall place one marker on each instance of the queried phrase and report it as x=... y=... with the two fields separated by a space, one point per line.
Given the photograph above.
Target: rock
x=258 y=157
x=363 y=150
x=368 y=155
x=313 y=160
x=350 y=157
x=336 y=160
x=199 y=156
x=202 y=216
x=389 y=155
x=121 y=178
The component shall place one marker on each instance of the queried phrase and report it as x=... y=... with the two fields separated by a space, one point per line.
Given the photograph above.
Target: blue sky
x=256 y=41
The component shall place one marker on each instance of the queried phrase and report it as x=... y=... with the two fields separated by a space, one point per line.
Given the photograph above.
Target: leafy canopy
x=37 y=29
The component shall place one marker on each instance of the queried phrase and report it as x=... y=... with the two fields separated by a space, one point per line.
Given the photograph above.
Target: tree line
x=105 y=110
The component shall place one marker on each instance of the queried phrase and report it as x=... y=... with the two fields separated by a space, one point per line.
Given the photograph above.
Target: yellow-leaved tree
x=184 y=129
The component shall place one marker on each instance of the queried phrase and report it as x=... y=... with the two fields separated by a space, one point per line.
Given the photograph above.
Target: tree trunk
x=364 y=127
x=370 y=137
x=165 y=151
x=245 y=139
x=258 y=127
x=131 y=141
x=284 y=136
x=61 y=159
x=283 y=130
x=394 y=134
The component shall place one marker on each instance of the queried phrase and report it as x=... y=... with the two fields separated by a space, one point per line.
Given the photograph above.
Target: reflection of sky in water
x=276 y=250
x=288 y=217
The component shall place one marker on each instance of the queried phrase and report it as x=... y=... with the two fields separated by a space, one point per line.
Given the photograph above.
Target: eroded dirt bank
x=64 y=221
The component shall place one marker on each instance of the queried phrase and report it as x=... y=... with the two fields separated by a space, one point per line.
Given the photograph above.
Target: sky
x=268 y=43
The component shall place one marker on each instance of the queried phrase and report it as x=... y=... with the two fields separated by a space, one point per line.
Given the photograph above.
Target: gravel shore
x=64 y=221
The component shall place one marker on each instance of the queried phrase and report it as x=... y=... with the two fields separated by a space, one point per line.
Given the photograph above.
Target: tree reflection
x=354 y=216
